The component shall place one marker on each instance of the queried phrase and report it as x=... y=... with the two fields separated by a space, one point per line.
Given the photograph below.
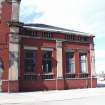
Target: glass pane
x=83 y=56
x=46 y=61
x=47 y=54
x=29 y=53
x=83 y=59
x=29 y=68
x=70 y=62
x=83 y=67
x=29 y=61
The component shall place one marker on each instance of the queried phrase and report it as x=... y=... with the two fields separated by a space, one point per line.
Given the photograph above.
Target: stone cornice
x=12 y=1
x=15 y=24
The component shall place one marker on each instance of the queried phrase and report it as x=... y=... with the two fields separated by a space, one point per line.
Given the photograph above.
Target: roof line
x=54 y=29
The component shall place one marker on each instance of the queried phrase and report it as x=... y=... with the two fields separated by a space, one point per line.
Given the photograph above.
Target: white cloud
x=65 y=13
x=82 y=15
x=61 y=13
x=75 y=14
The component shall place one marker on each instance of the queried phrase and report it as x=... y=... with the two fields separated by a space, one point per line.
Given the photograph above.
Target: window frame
x=83 y=62
x=30 y=59
x=47 y=60
x=71 y=62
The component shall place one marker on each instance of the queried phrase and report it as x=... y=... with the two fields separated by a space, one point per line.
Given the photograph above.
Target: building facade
x=42 y=57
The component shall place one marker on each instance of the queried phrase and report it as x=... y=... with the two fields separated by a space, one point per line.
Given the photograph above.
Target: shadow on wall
x=1 y=68
x=13 y=57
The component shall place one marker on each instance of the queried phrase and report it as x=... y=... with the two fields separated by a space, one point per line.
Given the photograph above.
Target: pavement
x=56 y=97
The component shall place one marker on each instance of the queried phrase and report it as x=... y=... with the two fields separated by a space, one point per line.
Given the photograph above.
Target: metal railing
x=47 y=76
x=30 y=77
x=83 y=75
x=79 y=75
x=70 y=75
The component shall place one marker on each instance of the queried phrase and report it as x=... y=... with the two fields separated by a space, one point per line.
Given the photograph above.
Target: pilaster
x=1 y=1
x=15 y=10
x=59 y=59
x=92 y=59
x=14 y=47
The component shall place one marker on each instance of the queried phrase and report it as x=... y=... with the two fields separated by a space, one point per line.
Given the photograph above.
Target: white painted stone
x=14 y=30
x=92 y=60
x=0 y=85
x=13 y=44
x=69 y=50
x=1 y=7
x=47 y=49
x=1 y=72
x=14 y=61
x=15 y=10
x=30 y=48
x=59 y=60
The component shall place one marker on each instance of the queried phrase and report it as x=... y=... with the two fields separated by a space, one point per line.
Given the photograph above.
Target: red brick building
x=42 y=57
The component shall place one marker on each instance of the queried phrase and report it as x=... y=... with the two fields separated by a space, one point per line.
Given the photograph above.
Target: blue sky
x=81 y=15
